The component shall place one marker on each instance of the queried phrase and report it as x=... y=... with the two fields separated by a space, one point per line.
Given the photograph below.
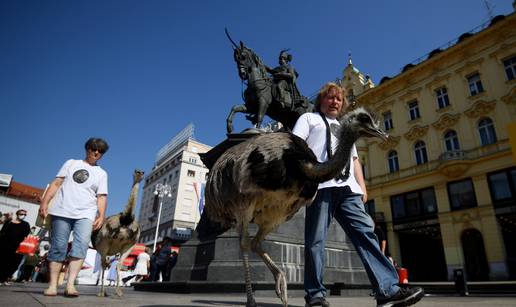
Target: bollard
x=461 y=284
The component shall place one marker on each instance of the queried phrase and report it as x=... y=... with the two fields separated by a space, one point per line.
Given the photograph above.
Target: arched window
x=451 y=141
x=420 y=152
x=394 y=165
x=486 y=131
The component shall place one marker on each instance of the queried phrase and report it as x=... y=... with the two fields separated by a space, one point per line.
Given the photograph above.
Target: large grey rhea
x=268 y=178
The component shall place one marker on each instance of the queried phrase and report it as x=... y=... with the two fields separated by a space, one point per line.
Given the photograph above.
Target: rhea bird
x=118 y=234
x=268 y=178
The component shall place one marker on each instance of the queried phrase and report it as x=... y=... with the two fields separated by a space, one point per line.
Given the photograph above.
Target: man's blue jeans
x=348 y=210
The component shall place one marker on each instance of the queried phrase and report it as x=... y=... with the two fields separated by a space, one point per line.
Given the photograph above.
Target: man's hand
x=99 y=221
x=43 y=210
x=364 y=197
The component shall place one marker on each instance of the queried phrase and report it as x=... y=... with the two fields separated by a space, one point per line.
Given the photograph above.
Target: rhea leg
x=279 y=276
x=103 y=266
x=118 y=291
x=245 y=247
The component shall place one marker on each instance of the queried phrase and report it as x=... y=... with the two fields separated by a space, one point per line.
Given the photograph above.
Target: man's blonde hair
x=327 y=89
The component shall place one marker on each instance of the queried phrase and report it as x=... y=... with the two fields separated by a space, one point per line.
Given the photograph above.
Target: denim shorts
x=60 y=234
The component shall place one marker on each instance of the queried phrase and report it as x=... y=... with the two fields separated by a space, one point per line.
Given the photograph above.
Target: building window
x=462 y=194
x=486 y=131
x=190 y=173
x=192 y=160
x=420 y=152
x=414 y=110
x=394 y=165
x=510 y=68
x=475 y=84
x=442 y=97
x=451 y=141
x=502 y=185
x=387 y=121
x=414 y=204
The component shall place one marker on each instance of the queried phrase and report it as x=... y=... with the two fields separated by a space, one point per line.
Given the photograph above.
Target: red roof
x=25 y=192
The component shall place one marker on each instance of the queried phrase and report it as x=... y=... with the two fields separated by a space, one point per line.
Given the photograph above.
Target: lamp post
x=161 y=191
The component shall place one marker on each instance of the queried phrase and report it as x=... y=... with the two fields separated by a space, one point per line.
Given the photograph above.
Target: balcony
x=454 y=163
x=451 y=164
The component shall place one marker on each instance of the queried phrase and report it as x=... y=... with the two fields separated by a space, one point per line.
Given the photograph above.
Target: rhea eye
x=363 y=118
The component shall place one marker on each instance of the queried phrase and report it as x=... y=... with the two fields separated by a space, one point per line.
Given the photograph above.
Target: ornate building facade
x=444 y=184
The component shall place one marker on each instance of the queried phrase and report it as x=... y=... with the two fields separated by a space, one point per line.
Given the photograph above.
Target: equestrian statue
x=270 y=91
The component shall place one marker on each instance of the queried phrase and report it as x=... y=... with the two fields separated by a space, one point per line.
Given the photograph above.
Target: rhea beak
x=382 y=135
x=377 y=132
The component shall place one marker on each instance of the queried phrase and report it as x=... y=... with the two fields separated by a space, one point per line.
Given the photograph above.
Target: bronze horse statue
x=259 y=96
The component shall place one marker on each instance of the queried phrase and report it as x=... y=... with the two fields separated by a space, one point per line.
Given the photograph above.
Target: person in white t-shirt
x=343 y=198
x=79 y=194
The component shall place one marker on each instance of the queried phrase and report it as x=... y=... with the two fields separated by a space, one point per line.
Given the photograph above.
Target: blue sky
x=137 y=72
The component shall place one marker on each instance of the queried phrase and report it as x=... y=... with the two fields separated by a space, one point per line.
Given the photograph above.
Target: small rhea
x=118 y=234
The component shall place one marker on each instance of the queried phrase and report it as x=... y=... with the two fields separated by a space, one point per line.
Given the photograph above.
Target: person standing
x=382 y=239
x=112 y=275
x=342 y=198
x=171 y=264
x=154 y=271
x=80 y=189
x=12 y=234
x=142 y=265
x=162 y=259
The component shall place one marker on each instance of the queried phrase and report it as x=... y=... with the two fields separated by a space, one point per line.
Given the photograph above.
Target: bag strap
x=340 y=176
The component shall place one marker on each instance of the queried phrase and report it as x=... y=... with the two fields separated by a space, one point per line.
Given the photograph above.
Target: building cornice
x=416 y=132
x=479 y=108
x=510 y=97
x=446 y=120
x=390 y=143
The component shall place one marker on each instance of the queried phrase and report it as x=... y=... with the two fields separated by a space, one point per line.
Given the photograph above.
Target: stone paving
x=31 y=295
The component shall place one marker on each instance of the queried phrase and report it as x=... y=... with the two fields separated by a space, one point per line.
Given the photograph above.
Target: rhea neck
x=131 y=203
x=321 y=172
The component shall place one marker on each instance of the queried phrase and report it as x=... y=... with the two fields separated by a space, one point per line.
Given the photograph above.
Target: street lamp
x=161 y=191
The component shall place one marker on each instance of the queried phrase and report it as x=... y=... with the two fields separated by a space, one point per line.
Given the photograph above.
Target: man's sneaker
x=317 y=301
x=406 y=296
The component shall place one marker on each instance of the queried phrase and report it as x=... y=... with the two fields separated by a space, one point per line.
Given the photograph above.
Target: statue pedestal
x=218 y=261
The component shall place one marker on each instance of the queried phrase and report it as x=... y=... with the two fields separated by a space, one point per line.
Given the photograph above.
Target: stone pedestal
x=218 y=260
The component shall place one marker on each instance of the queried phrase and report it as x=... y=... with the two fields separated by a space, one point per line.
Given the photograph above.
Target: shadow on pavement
x=216 y=303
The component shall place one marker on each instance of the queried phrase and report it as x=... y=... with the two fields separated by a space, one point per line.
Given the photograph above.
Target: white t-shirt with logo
x=77 y=196
x=311 y=128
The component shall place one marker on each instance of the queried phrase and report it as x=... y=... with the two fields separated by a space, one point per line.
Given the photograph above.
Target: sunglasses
x=96 y=149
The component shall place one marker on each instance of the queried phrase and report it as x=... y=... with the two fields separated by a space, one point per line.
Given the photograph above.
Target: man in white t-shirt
x=342 y=198
x=79 y=194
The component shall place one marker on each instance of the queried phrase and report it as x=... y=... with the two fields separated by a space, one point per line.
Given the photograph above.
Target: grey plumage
x=267 y=179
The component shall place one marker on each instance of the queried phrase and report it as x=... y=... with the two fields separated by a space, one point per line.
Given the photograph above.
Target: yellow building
x=444 y=185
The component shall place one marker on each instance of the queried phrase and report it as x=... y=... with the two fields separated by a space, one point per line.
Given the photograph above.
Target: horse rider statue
x=285 y=76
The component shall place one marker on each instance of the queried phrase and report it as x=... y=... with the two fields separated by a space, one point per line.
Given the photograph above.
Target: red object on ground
x=403 y=275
